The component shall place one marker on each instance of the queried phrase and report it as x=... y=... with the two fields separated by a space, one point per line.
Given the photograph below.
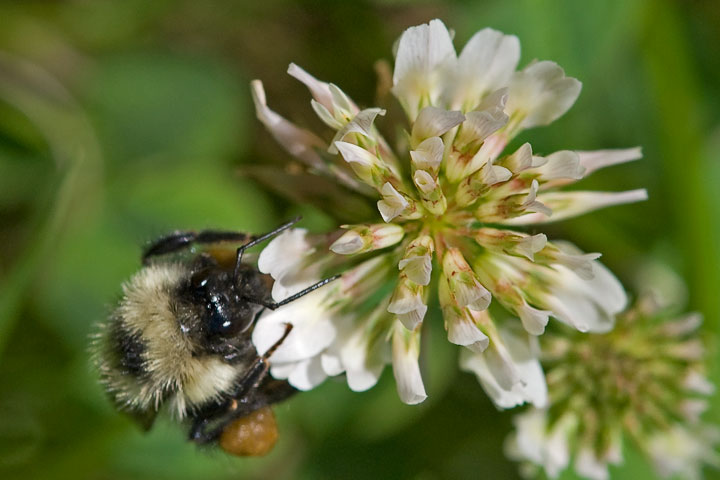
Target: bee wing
x=143 y=418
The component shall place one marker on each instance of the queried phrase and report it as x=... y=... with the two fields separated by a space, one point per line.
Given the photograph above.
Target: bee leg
x=260 y=239
x=292 y=298
x=209 y=425
x=255 y=390
x=181 y=240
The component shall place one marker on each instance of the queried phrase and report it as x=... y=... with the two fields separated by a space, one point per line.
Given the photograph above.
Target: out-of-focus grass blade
x=51 y=109
x=672 y=79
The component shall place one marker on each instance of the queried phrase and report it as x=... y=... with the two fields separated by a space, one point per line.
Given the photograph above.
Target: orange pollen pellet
x=254 y=435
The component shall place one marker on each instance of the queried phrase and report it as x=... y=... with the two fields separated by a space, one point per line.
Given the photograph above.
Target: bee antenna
x=257 y=240
x=302 y=293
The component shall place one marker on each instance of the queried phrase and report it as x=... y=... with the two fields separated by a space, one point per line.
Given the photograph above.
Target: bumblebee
x=180 y=339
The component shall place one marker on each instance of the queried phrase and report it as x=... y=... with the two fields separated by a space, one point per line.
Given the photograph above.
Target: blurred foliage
x=121 y=120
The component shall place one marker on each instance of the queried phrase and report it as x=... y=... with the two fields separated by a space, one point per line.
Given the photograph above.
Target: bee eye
x=219 y=324
x=224 y=323
x=199 y=280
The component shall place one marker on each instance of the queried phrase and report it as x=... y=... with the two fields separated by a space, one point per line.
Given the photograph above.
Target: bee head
x=222 y=303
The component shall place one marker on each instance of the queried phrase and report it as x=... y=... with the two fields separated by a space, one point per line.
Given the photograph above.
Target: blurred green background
x=121 y=120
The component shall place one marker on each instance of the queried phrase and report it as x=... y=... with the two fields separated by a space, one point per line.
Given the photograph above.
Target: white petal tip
x=637 y=195
x=414 y=399
x=347 y=248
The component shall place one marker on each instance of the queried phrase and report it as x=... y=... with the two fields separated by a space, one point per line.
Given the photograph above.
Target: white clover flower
x=451 y=203
x=681 y=451
x=643 y=381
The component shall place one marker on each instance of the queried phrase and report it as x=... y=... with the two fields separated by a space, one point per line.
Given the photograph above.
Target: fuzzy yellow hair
x=167 y=368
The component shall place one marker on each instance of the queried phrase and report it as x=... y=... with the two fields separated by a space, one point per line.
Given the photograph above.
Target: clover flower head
x=644 y=381
x=449 y=203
